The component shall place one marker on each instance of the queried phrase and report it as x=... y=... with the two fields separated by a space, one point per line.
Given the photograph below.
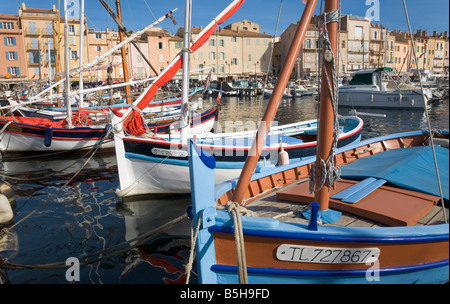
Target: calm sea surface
x=85 y=218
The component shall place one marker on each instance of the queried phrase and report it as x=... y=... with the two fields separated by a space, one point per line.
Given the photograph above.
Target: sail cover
x=411 y=168
x=133 y=123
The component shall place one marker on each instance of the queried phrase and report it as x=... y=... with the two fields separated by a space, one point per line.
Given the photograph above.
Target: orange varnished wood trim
x=261 y=252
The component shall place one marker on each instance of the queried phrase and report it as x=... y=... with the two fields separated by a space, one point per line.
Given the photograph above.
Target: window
x=160 y=45
x=34 y=43
x=343 y=44
x=34 y=57
x=233 y=39
x=250 y=57
x=307 y=43
x=222 y=42
x=13 y=70
x=73 y=54
x=221 y=56
x=7 y=25
x=212 y=42
x=161 y=58
x=359 y=32
x=222 y=68
x=10 y=40
x=98 y=36
x=212 y=55
x=48 y=27
x=32 y=27
x=234 y=49
x=248 y=41
x=178 y=44
x=71 y=29
x=11 y=56
x=73 y=40
x=99 y=48
x=234 y=61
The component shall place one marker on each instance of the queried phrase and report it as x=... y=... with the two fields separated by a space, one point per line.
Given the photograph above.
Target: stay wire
x=426 y=114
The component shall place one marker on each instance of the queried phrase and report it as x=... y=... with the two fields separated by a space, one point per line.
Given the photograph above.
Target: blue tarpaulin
x=410 y=168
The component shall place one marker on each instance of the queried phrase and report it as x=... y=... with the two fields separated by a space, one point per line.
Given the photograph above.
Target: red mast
x=260 y=138
x=326 y=112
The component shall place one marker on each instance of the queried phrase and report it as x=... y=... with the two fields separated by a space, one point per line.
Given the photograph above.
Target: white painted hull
x=140 y=177
x=382 y=99
x=13 y=142
x=141 y=174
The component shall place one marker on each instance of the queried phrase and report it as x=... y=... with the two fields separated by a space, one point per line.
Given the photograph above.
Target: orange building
x=12 y=57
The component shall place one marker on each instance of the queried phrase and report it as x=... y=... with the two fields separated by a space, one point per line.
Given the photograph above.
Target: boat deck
x=291 y=212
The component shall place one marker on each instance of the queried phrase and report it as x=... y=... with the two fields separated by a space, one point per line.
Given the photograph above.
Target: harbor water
x=62 y=220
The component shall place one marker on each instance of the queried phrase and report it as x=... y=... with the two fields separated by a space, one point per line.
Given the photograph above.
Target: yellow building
x=43 y=31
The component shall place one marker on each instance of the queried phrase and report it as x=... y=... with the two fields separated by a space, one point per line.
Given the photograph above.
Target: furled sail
x=133 y=123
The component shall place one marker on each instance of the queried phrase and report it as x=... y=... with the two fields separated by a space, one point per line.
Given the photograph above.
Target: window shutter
x=9 y=70
x=14 y=40
x=6 y=41
x=15 y=56
x=7 y=57
x=18 y=71
x=1 y=25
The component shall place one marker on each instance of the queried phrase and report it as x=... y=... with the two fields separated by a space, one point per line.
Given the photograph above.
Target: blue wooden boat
x=371 y=212
x=391 y=235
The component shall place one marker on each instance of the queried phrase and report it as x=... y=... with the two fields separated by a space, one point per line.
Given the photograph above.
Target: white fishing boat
x=150 y=164
x=368 y=89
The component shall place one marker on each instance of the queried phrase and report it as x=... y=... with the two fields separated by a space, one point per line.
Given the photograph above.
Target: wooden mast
x=269 y=115
x=124 y=57
x=326 y=113
x=56 y=48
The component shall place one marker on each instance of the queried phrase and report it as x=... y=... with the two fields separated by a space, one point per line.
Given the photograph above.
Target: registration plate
x=326 y=255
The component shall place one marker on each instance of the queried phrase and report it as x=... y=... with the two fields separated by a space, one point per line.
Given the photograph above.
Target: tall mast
x=124 y=57
x=184 y=124
x=67 y=67
x=260 y=138
x=326 y=112
x=81 y=50
x=56 y=48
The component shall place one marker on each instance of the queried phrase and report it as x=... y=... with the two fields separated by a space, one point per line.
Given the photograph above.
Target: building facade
x=232 y=53
x=12 y=60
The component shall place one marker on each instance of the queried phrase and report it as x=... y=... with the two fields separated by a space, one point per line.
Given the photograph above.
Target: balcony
x=32 y=32
x=31 y=46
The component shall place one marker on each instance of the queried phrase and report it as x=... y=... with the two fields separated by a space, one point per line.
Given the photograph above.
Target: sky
x=432 y=15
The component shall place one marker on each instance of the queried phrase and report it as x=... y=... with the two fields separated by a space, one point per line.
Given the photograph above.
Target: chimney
x=435 y=34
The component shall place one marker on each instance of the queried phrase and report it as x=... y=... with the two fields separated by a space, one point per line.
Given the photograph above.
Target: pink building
x=159 y=53
x=12 y=57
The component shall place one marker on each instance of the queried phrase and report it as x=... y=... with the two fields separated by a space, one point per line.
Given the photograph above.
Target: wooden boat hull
x=283 y=252
x=170 y=171
x=19 y=137
x=404 y=258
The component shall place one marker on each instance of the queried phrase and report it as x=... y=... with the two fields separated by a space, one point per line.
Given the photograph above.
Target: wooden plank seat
x=387 y=205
